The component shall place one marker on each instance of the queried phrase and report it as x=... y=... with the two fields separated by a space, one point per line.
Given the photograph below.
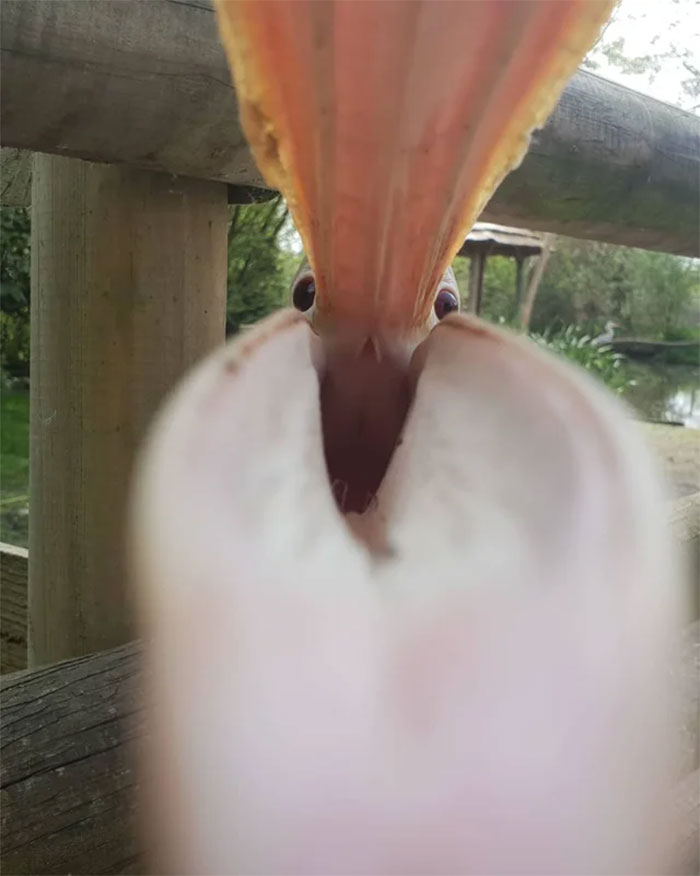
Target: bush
x=600 y=361
x=14 y=291
x=498 y=292
x=259 y=269
x=650 y=294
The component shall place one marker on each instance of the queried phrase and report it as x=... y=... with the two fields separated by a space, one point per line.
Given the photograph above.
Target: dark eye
x=304 y=293
x=445 y=302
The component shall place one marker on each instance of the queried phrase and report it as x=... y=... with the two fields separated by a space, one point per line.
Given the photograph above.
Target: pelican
x=607 y=336
x=405 y=583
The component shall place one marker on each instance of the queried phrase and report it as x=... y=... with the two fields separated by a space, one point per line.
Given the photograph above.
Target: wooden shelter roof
x=493 y=239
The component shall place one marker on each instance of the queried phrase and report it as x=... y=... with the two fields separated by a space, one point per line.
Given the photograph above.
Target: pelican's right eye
x=304 y=293
x=445 y=302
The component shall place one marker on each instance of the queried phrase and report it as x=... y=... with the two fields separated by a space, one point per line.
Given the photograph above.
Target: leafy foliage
x=653 y=49
x=14 y=455
x=259 y=270
x=14 y=290
x=498 y=298
x=600 y=361
x=649 y=294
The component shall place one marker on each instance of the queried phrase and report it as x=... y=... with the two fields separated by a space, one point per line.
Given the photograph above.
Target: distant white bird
x=607 y=336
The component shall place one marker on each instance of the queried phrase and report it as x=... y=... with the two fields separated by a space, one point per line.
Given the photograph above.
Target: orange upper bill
x=387 y=126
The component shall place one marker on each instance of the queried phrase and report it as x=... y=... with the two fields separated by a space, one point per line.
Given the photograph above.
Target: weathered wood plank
x=147 y=84
x=16 y=181
x=613 y=165
x=124 y=82
x=13 y=608
x=67 y=802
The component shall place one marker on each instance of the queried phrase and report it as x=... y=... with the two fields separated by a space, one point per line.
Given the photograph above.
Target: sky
x=651 y=27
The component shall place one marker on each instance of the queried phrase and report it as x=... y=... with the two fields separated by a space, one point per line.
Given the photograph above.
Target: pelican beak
x=408 y=602
x=388 y=126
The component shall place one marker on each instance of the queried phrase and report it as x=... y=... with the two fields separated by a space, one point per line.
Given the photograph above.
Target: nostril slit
x=369 y=350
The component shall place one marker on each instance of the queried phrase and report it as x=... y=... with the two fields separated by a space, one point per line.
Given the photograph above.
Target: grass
x=14 y=467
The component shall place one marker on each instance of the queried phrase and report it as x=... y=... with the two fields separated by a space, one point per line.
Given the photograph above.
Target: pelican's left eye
x=445 y=302
x=304 y=293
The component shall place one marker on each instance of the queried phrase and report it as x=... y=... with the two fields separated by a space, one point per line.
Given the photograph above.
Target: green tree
x=498 y=291
x=259 y=270
x=14 y=291
x=665 y=296
x=650 y=294
x=652 y=48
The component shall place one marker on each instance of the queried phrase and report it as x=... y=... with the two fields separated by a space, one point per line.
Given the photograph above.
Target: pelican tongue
x=388 y=126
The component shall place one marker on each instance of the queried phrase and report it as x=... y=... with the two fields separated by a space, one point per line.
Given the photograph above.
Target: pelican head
x=404 y=577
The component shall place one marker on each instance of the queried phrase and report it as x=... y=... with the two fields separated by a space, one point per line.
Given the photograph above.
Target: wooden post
x=476 y=282
x=535 y=278
x=128 y=290
x=519 y=284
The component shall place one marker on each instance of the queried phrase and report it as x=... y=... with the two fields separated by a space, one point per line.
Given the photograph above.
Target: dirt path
x=679 y=452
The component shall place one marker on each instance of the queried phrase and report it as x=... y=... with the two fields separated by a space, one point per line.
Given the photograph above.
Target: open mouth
x=365 y=397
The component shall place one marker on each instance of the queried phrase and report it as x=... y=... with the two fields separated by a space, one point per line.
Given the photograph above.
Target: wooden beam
x=66 y=777
x=67 y=788
x=16 y=182
x=13 y=608
x=128 y=291
x=147 y=84
x=613 y=165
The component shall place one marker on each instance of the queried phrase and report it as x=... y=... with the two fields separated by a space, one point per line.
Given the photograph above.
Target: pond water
x=665 y=393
